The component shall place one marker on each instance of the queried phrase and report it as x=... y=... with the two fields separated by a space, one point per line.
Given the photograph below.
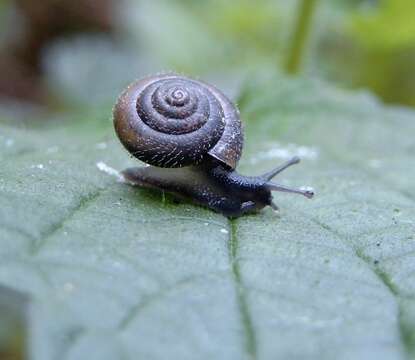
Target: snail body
x=191 y=136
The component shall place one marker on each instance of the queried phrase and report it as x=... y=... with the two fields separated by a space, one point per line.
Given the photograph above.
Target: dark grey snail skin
x=191 y=136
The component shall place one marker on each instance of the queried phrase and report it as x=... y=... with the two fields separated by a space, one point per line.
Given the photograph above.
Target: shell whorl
x=173 y=121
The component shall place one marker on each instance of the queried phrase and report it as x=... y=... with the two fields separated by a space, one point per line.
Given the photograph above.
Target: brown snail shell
x=174 y=121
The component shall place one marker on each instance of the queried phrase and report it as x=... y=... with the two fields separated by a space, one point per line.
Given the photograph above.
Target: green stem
x=300 y=35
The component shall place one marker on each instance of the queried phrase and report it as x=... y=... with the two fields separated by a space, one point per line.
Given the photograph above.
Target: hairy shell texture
x=173 y=121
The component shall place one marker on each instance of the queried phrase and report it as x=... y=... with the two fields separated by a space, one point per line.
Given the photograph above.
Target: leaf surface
x=116 y=272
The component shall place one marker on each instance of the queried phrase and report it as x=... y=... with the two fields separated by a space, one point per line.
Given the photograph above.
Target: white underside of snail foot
x=111 y=171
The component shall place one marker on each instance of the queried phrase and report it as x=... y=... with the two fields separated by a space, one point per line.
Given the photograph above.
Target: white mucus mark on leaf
x=52 y=149
x=68 y=287
x=317 y=323
x=279 y=151
x=101 y=146
x=38 y=166
x=110 y=171
x=117 y=265
x=224 y=231
x=9 y=142
x=375 y=163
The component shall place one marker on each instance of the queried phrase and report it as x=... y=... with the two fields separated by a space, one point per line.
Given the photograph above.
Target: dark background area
x=82 y=52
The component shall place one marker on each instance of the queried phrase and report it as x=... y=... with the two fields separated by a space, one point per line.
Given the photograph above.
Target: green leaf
x=116 y=272
x=374 y=28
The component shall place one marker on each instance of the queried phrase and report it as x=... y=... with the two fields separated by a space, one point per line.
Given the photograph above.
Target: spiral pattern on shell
x=173 y=121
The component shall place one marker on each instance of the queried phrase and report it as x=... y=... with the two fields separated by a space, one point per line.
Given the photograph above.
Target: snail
x=190 y=135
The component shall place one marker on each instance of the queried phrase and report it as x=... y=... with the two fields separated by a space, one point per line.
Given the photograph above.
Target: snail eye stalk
x=274 y=172
x=277 y=187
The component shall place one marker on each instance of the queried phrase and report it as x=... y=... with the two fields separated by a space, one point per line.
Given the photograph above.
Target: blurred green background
x=61 y=53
